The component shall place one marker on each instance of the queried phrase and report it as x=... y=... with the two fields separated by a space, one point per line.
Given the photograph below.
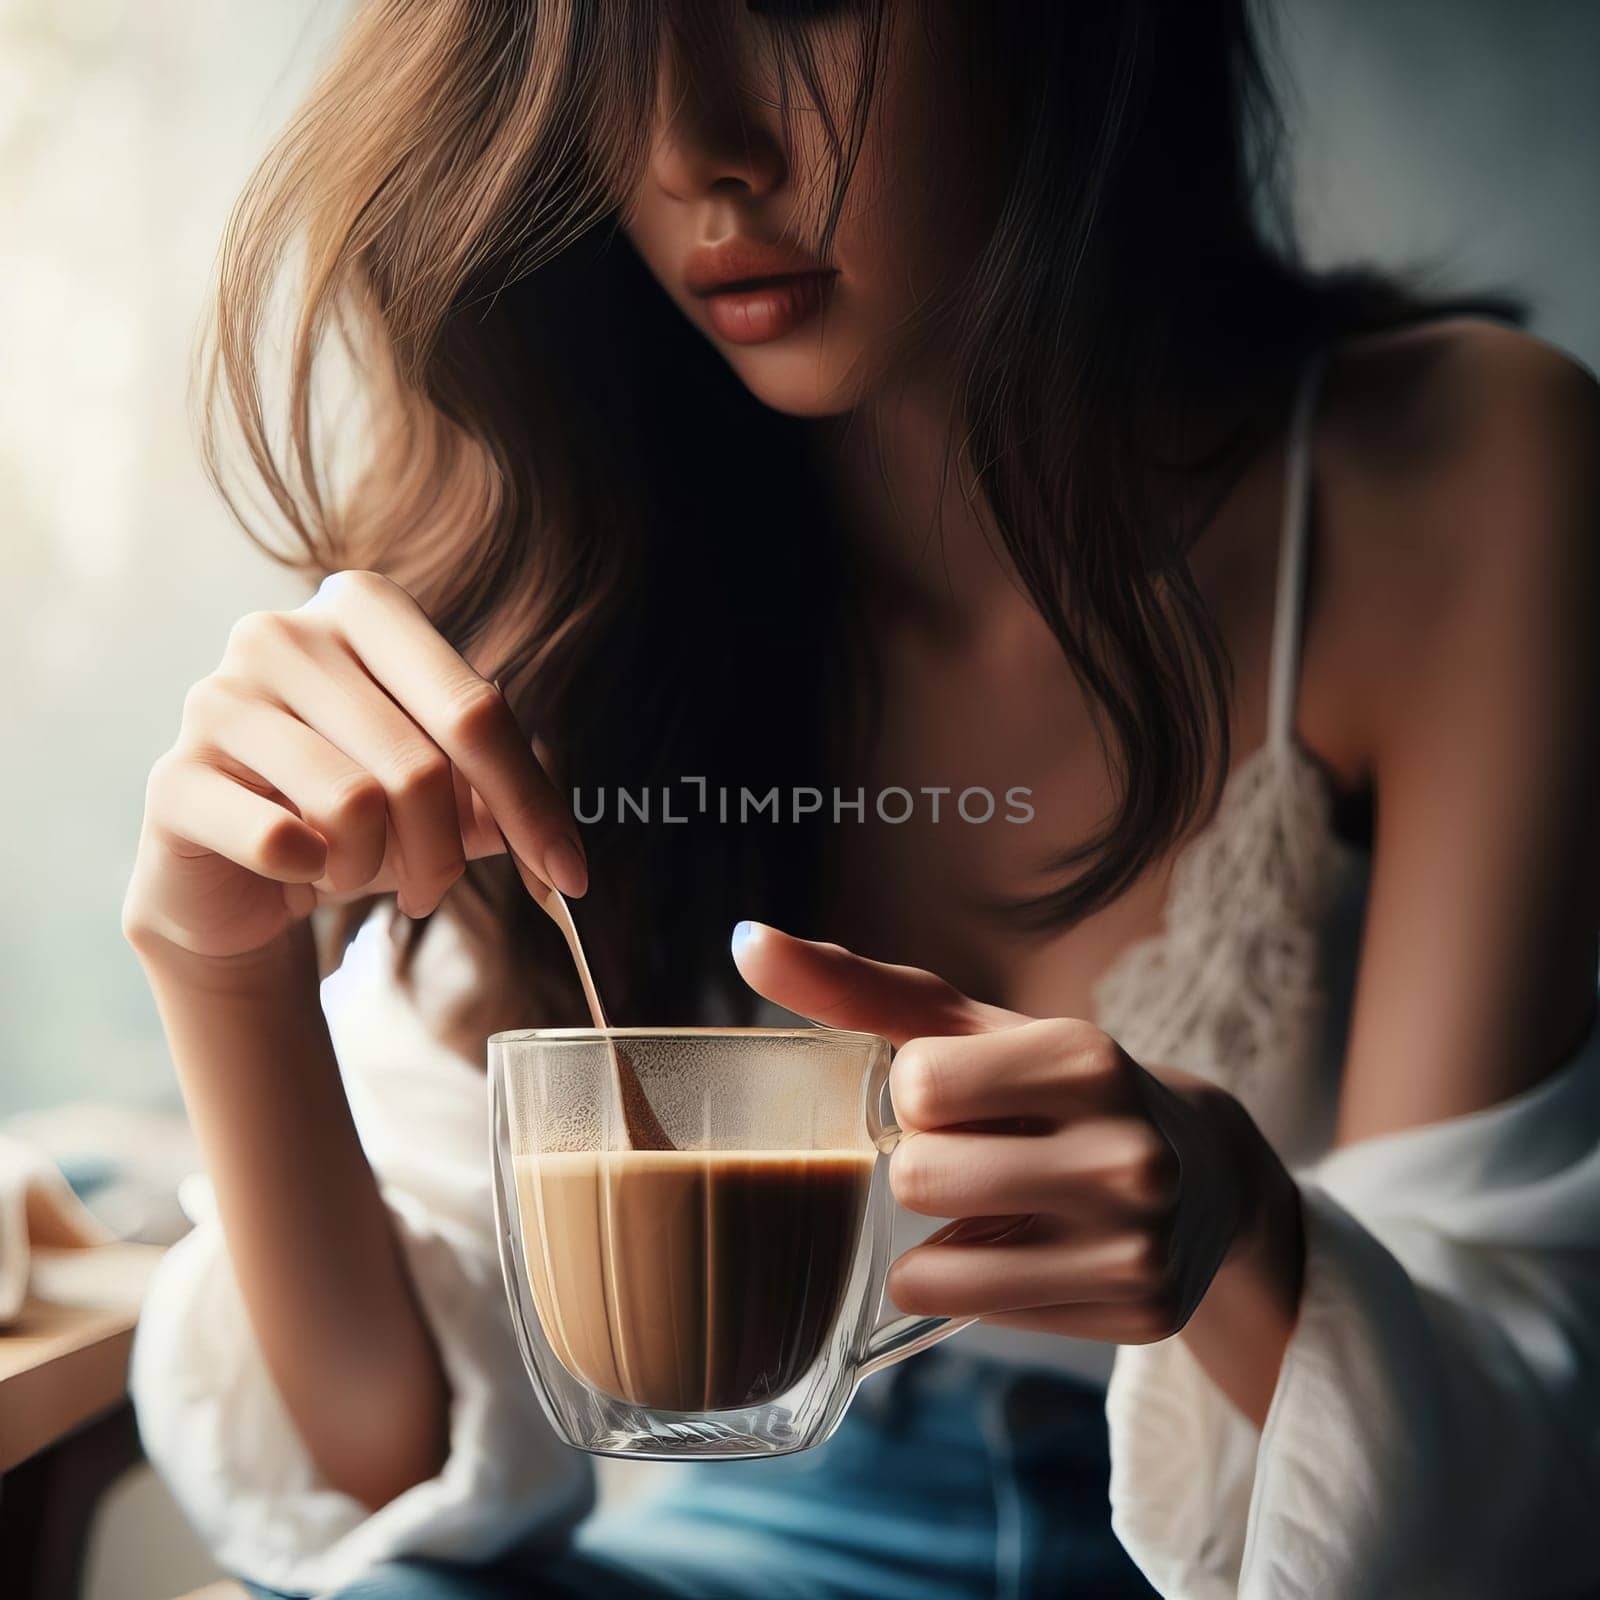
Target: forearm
x=312 y=1245
x=1241 y=1329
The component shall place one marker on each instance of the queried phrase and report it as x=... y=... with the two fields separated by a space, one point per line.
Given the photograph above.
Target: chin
x=800 y=382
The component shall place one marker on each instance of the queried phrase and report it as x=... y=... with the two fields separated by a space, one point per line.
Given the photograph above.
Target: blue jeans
x=952 y=1478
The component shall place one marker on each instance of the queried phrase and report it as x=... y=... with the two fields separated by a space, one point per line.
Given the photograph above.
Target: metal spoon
x=640 y=1127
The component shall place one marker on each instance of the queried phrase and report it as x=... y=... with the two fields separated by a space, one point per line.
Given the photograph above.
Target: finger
x=981 y=1230
x=464 y=715
x=195 y=808
x=832 y=985
x=1105 y=1168
x=1049 y=1067
x=327 y=689
x=1139 y=1321
x=480 y=838
x=343 y=802
x=479 y=835
x=1027 y=1272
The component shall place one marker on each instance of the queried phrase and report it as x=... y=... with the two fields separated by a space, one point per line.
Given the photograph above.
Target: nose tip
x=711 y=143
x=690 y=164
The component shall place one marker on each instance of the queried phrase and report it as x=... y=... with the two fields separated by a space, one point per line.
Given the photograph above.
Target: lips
x=737 y=262
x=756 y=292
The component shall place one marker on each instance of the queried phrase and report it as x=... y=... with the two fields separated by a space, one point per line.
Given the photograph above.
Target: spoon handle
x=640 y=1126
x=554 y=904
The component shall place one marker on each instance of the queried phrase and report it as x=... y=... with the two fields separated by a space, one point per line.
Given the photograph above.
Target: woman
x=914 y=399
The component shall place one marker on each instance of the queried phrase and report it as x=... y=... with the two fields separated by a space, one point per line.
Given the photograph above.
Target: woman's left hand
x=1094 y=1197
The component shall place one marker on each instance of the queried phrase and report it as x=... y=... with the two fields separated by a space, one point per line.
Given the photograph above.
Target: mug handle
x=904 y=1336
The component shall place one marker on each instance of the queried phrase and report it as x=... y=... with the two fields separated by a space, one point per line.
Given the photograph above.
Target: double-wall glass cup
x=717 y=1296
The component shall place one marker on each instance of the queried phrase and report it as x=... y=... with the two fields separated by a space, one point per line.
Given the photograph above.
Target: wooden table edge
x=60 y=1368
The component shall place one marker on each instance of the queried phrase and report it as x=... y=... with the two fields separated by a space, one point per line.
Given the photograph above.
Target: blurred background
x=1459 y=135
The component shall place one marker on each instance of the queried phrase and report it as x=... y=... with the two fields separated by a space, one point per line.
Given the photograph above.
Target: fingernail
x=744 y=935
x=565 y=867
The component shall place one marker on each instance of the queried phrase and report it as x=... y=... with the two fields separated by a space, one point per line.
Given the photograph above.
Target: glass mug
x=719 y=1298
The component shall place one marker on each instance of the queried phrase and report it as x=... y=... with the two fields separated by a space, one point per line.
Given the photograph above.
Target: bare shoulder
x=1420 y=408
x=1458 y=491
x=1458 y=657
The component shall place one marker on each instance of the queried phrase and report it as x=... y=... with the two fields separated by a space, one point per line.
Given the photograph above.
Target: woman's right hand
x=338 y=749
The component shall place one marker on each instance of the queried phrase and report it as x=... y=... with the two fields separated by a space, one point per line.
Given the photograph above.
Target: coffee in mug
x=719 y=1297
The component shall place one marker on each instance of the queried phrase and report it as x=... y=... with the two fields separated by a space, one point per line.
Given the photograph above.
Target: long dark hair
x=562 y=471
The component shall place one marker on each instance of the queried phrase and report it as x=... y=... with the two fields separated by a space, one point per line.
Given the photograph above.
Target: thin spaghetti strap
x=1284 y=673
